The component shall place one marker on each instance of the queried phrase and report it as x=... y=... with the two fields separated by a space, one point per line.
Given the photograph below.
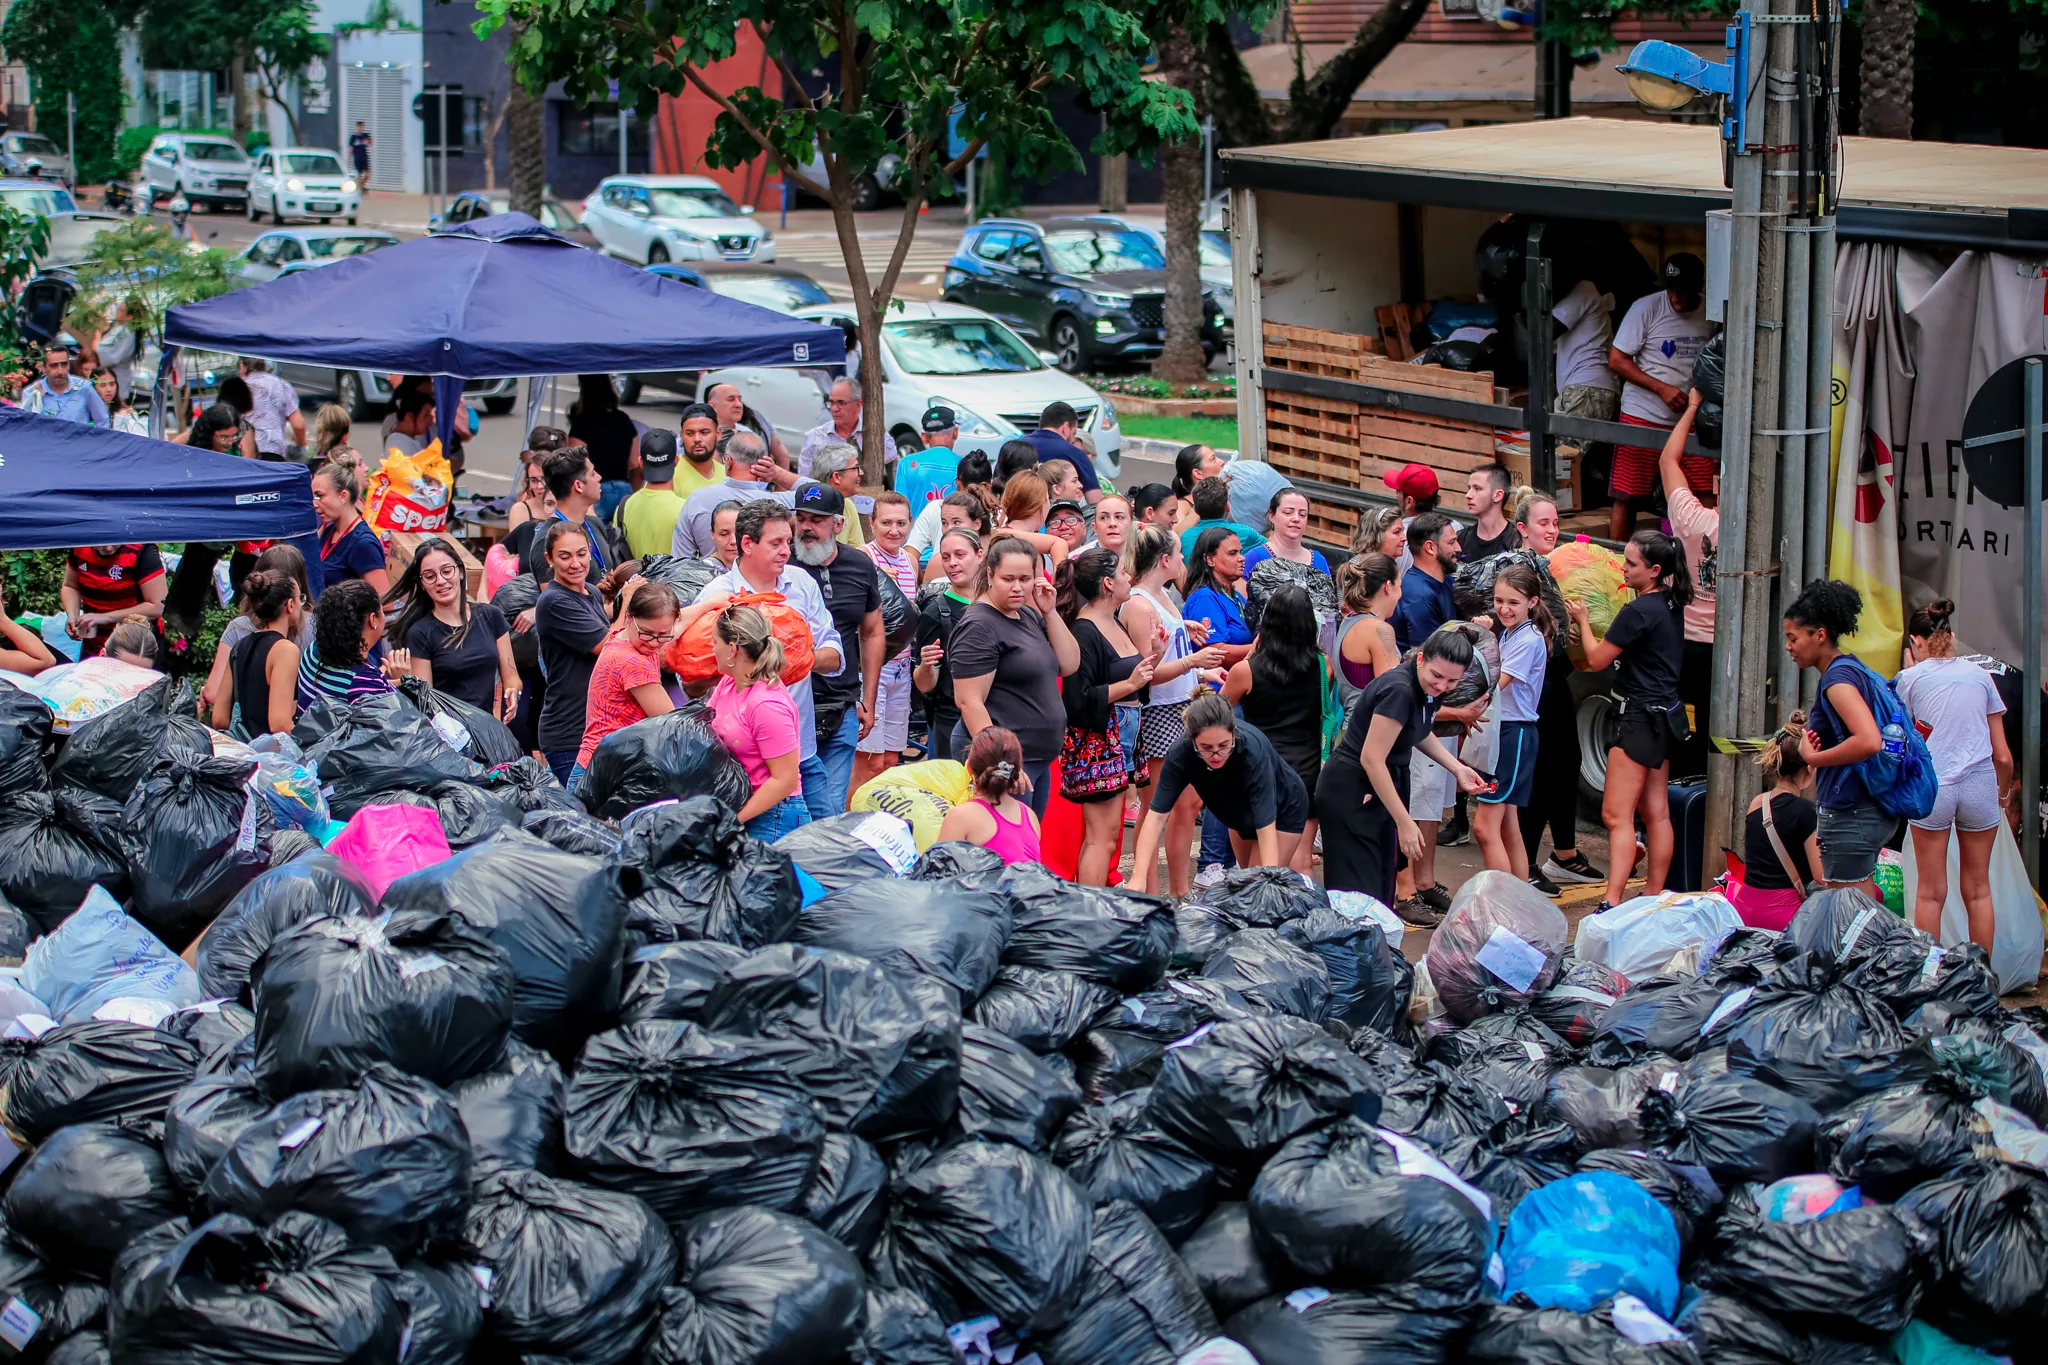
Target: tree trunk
x=1180 y=165
x=528 y=145
x=1317 y=103
x=503 y=106
x=1241 y=118
x=238 y=78
x=1886 y=79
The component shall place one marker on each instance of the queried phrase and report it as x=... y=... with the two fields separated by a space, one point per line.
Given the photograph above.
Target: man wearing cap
x=1653 y=352
x=1417 y=488
x=927 y=475
x=1068 y=520
x=852 y=589
x=699 y=436
x=648 y=517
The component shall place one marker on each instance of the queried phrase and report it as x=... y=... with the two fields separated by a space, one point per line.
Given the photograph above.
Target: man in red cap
x=1416 y=486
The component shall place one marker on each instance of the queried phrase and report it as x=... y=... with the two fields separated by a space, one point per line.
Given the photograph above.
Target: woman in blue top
x=348 y=547
x=1215 y=574
x=1852 y=826
x=1293 y=562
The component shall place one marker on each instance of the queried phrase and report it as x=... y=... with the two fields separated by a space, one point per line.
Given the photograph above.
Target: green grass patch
x=1220 y=432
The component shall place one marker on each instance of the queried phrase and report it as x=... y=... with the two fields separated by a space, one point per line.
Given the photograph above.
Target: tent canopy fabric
x=499 y=297
x=65 y=483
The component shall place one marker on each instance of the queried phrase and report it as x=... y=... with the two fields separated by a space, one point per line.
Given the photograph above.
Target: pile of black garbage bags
x=630 y=1086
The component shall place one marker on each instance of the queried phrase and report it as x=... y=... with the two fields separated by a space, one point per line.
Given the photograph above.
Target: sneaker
x=1545 y=885
x=1603 y=907
x=1575 y=870
x=1435 y=897
x=1414 y=913
x=1457 y=831
x=1210 y=875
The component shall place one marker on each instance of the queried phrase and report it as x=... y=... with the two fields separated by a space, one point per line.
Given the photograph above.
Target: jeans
x=615 y=492
x=1216 y=843
x=575 y=777
x=826 y=773
x=779 y=819
x=562 y=763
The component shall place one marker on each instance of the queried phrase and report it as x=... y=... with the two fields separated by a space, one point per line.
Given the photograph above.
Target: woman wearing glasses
x=1240 y=777
x=625 y=683
x=460 y=647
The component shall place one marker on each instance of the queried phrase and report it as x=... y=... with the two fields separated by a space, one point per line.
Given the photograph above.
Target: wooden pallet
x=1312 y=438
x=1311 y=350
x=1397 y=324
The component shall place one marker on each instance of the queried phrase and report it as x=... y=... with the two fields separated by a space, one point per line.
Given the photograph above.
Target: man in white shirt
x=842 y=427
x=276 y=417
x=1586 y=386
x=765 y=532
x=1653 y=352
x=750 y=474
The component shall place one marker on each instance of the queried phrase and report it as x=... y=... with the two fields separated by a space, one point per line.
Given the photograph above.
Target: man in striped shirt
x=104 y=585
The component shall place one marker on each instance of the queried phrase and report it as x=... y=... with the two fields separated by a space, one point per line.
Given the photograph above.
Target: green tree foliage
x=143 y=270
x=23 y=239
x=72 y=48
x=269 y=40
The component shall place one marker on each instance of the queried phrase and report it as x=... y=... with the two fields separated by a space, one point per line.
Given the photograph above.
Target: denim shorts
x=779 y=819
x=1851 y=838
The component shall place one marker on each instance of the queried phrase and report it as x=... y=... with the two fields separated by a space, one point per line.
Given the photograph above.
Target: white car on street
x=649 y=219
x=938 y=353
x=302 y=182
x=205 y=168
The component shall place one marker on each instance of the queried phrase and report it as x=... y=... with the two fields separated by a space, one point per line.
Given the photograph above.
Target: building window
x=594 y=131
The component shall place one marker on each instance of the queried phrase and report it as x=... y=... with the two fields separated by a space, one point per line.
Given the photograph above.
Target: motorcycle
x=117 y=196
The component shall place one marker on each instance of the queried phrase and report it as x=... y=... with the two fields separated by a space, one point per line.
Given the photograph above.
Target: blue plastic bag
x=99 y=954
x=1590 y=1236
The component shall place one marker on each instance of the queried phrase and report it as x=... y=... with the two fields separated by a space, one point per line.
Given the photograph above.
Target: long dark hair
x=1664 y=554
x=418 y=605
x=338 y=633
x=1523 y=580
x=1287 y=649
x=1081 y=580
x=594 y=394
x=213 y=419
x=1200 y=575
x=1185 y=463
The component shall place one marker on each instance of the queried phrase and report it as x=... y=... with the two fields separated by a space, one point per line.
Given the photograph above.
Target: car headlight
x=955 y=276
x=295 y=185
x=969 y=422
x=1216 y=320
x=348 y=187
x=1110 y=300
x=1108 y=422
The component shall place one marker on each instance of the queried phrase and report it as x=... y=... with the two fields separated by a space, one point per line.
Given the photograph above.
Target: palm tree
x=1886 y=80
x=527 y=135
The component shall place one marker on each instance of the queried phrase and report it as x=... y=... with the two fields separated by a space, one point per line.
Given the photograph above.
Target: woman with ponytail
x=1780 y=851
x=263 y=666
x=754 y=716
x=1957 y=708
x=1092 y=588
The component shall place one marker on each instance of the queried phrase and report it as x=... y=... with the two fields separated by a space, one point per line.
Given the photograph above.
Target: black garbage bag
x=528 y=786
x=1436 y=1105
x=1265 y=897
x=848 y=1197
x=1988 y=1274
x=1123 y=939
x=25 y=724
x=1809 y=1032
x=986 y=1227
x=516 y=594
x=1370 y=981
x=1043 y=1009
x=1898 y=1138
x=1009 y=1095
x=1335 y=1207
x=691 y=872
x=1225 y=1260
x=227 y=1292
x=384 y=744
x=941 y=929
x=444 y=1311
x=1139 y=1304
x=2026 y=1071
x=1513 y=1161
x=205 y=1118
x=46 y=865
x=955 y=858
x=313 y=887
x=1112 y=1061
x=1688 y=1193
x=1515 y=1334
x=1907 y=974
x=1738 y=1127
x=879 y=1054
x=1177 y=1007
x=193 y=836
x=16 y=931
x=1235 y=1094
x=664 y=758
x=1729 y=1330
x=1710 y=377
x=387 y=1160
x=1272 y=973
x=687 y=576
x=559 y=916
x=84 y=1194
x=1513 y=1060
x=899 y=618
x=1665 y=1016
x=1572 y=1007
x=575 y=1273
x=1197 y=931
x=1602 y=1105
x=398 y=796
x=1842 y=924
x=899 y=1328
x=109 y=755
x=572 y=831
x=673 y=980
x=1115 y=1152
x=476 y=732
x=66 y=1304
x=97 y=1071
x=222 y=1031
x=1317 y=1326
x=847 y=850
x=1860 y=1269
x=691 y=1120
x=1479 y=1039
x=84 y=1348
x=513 y=1112
x=757 y=1288
x=424 y=990
x=470 y=814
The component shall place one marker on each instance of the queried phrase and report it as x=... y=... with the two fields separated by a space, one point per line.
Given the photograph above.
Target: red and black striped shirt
x=113 y=582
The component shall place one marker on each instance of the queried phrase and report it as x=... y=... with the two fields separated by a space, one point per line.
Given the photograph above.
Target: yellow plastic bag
x=1590 y=573
x=410 y=492
x=919 y=794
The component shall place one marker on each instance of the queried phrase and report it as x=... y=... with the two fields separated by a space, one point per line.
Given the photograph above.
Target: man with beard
x=852 y=589
x=734 y=415
x=699 y=467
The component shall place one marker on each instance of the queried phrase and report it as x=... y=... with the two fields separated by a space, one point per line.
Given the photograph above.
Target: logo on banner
x=802 y=350
x=252 y=499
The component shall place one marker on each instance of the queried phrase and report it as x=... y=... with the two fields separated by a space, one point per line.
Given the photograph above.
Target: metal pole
x=1208 y=161
x=621 y=108
x=1820 y=375
x=1536 y=300
x=444 y=149
x=970 y=193
x=71 y=132
x=2030 y=709
x=1792 y=468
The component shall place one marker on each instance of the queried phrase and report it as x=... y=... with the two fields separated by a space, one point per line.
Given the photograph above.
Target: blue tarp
x=64 y=484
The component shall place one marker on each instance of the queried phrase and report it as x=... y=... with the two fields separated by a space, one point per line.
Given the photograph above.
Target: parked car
x=656 y=218
x=71 y=228
x=367 y=394
x=784 y=290
x=936 y=352
x=36 y=157
x=302 y=182
x=1213 y=246
x=290 y=249
x=1091 y=289
x=556 y=215
x=205 y=168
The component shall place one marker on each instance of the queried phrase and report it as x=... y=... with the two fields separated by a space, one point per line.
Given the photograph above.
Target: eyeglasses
x=658 y=637
x=446 y=574
x=1218 y=751
x=842 y=402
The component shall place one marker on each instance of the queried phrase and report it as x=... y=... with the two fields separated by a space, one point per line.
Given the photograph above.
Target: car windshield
x=214 y=151
x=42 y=203
x=692 y=204
x=28 y=144
x=959 y=346
x=1090 y=252
x=783 y=293
x=1216 y=249
x=334 y=248
x=310 y=163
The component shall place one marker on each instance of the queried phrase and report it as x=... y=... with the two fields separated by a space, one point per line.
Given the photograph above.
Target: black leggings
x=1695 y=687
x=1554 y=798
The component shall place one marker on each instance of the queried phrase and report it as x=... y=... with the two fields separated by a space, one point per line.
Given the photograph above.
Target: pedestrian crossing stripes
x=822 y=248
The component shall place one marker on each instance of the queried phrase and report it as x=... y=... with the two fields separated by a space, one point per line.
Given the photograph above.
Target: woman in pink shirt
x=753 y=716
x=994 y=818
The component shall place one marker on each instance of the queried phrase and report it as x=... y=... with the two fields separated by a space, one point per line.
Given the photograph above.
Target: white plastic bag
x=100 y=954
x=1641 y=937
x=2016 y=939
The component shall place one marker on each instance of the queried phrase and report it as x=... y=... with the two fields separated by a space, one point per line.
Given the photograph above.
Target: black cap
x=822 y=499
x=658 y=453
x=1684 y=271
x=1066 y=505
x=938 y=418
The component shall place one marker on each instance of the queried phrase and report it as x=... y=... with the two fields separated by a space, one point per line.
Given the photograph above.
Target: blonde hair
x=1373 y=526
x=1781 y=759
x=330 y=427
x=747 y=630
x=344 y=469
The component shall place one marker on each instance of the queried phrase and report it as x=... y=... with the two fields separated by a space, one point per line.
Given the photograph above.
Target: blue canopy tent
x=501 y=297
x=64 y=484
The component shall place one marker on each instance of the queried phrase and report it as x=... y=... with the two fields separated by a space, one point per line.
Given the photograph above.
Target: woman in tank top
x=1369 y=586
x=995 y=818
x=263 y=667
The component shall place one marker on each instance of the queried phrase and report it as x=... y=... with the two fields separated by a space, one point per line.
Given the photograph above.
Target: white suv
x=302 y=182
x=650 y=219
x=206 y=168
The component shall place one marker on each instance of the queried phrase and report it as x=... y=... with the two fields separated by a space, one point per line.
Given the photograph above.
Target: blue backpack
x=1900 y=775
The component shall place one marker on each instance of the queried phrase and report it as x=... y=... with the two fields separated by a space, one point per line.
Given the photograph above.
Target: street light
x=1665 y=77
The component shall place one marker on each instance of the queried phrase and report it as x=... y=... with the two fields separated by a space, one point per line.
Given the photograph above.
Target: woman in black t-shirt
x=1361 y=797
x=1648 y=638
x=1241 y=780
x=1009 y=653
x=939 y=609
x=614 y=441
x=459 y=647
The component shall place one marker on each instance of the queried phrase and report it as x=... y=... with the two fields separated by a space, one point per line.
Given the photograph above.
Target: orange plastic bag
x=1591 y=574
x=690 y=658
x=410 y=492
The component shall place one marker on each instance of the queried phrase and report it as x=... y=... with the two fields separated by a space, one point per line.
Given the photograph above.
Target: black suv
x=1088 y=289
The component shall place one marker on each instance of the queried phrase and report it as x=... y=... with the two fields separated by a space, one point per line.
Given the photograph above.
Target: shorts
x=1430 y=785
x=1128 y=719
x=1968 y=804
x=1160 y=727
x=891 y=730
x=1514 y=773
x=1644 y=735
x=1291 y=806
x=1634 y=474
x=1850 y=840
x=1589 y=401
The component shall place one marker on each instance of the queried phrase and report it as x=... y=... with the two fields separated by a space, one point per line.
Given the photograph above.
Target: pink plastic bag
x=385 y=843
x=501 y=566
